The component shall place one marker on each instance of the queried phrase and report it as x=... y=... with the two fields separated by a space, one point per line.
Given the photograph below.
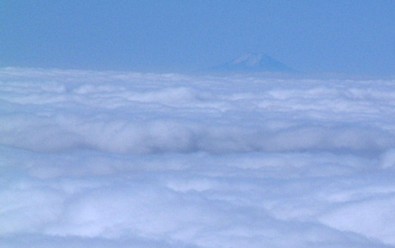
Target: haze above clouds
x=112 y=159
x=354 y=37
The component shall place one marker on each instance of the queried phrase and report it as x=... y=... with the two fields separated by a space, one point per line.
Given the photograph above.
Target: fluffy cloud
x=111 y=159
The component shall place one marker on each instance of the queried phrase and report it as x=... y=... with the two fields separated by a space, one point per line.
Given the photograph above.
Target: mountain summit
x=253 y=63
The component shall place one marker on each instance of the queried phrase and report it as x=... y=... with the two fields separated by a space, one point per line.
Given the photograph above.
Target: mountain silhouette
x=253 y=63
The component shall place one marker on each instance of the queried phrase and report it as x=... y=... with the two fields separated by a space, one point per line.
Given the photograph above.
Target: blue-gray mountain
x=253 y=63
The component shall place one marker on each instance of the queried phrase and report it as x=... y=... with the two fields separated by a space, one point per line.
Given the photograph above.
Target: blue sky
x=355 y=37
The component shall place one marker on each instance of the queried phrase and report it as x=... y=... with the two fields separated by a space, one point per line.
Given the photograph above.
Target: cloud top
x=119 y=159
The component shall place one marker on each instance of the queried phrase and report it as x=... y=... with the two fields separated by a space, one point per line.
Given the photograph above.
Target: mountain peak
x=253 y=63
x=251 y=59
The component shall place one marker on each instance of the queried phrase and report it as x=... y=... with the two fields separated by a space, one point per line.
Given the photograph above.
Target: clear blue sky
x=344 y=36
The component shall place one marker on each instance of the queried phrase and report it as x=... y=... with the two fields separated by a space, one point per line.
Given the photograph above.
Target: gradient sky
x=356 y=37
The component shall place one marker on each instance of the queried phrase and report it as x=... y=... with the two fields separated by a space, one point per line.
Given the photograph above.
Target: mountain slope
x=253 y=63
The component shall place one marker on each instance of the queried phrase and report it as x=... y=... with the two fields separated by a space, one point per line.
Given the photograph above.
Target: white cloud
x=110 y=159
x=388 y=159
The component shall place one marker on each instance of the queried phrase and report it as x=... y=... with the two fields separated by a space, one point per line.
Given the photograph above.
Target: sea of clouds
x=116 y=159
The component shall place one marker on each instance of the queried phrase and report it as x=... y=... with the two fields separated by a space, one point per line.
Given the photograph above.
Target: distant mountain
x=252 y=63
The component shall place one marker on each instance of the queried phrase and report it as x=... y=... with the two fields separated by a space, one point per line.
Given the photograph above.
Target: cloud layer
x=111 y=159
